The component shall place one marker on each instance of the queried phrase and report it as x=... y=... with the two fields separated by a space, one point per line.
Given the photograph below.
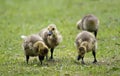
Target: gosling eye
x=53 y=29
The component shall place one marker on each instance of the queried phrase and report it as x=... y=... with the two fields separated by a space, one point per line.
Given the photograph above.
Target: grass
x=18 y=17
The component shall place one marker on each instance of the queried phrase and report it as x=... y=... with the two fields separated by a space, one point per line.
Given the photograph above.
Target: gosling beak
x=78 y=57
x=50 y=33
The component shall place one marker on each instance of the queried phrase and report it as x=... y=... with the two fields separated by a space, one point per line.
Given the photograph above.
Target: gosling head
x=51 y=29
x=81 y=52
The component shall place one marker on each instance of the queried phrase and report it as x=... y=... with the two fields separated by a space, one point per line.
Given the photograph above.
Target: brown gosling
x=89 y=23
x=86 y=42
x=33 y=45
x=51 y=37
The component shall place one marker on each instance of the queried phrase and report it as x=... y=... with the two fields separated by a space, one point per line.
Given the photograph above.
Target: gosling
x=51 y=37
x=33 y=45
x=86 y=42
x=89 y=23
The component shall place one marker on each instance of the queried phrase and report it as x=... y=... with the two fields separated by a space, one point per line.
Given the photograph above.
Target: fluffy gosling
x=51 y=37
x=89 y=23
x=33 y=45
x=86 y=42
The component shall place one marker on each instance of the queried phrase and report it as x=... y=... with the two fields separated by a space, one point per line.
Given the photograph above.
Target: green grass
x=18 y=17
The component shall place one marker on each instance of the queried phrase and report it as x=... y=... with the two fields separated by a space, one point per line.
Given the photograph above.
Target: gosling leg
x=27 y=58
x=95 y=33
x=52 y=50
x=41 y=58
x=94 y=54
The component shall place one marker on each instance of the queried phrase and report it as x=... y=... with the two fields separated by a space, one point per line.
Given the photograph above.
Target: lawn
x=25 y=17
